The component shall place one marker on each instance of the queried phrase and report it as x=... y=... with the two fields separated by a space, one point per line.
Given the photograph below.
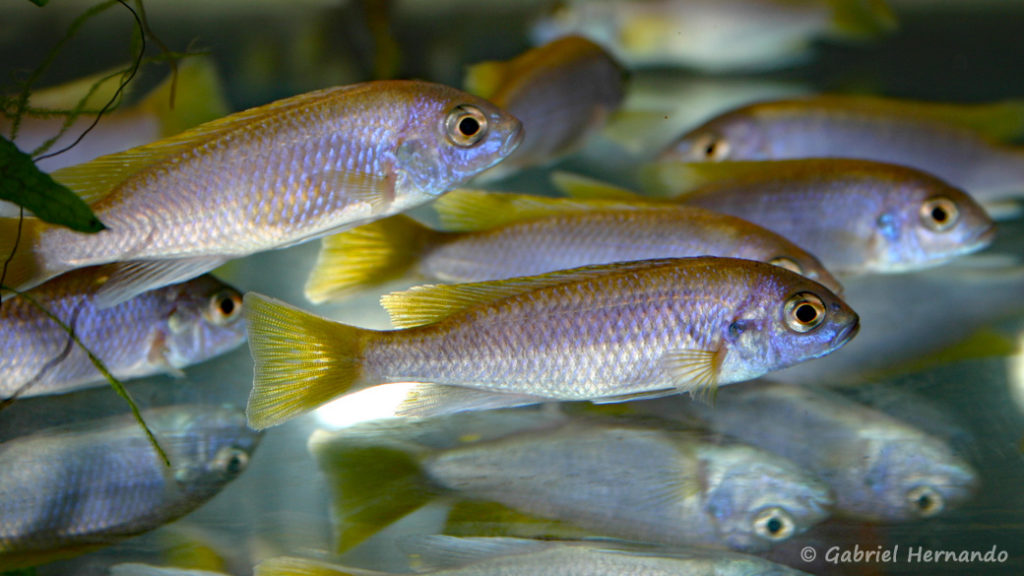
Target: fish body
x=626 y=482
x=595 y=332
x=164 y=330
x=561 y=92
x=958 y=143
x=520 y=235
x=713 y=35
x=266 y=178
x=68 y=490
x=451 y=556
x=880 y=469
x=856 y=216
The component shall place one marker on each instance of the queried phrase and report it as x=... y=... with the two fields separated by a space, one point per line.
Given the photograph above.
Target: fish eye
x=925 y=501
x=774 y=524
x=225 y=306
x=804 y=312
x=231 y=460
x=465 y=125
x=711 y=147
x=787 y=263
x=939 y=214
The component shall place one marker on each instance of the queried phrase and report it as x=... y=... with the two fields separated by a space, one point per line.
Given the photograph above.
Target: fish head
x=917 y=477
x=926 y=222
x=208 y=448
x=204 y=320
x=450 y=137
x=786 y=319
x=735 y=135
x=758 y=499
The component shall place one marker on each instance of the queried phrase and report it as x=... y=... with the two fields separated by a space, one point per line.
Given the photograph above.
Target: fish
x=856 y=216
x=448 y=555
x=620 y=480
x=962 y=144
x=880 y=469
x=562 y=92
x=269 y=177
x=715 y=35
x=195 y=90
x=160 y=331
x=69 y=490
x=138 y=569
x=490 y=236
x=604 y=332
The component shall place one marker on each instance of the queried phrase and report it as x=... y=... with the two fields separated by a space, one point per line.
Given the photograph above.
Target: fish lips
x=512 y=140
x=846 y=334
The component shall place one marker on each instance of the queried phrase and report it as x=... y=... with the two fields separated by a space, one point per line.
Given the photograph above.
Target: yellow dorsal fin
x=671 y=178
x=433 y=302
x=198 y=97
x=584 y=188
x=472 y=210
x=485 y=78
x=96 y=179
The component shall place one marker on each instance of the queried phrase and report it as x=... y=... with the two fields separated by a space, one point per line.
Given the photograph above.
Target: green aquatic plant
x=22 y=183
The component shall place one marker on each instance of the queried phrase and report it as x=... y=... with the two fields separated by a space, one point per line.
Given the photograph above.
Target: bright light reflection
x=372 y=403
x=1015 y=369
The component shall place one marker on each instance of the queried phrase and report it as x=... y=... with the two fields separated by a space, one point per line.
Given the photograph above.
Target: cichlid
x=561 y=92
x=163 y=330
x=959 y=143
x=195 y=91
x=500 y=235
x=450 y=556
x=269 y=177
x=66 y=491
x=622 y=481
x=856 y=216
x=596 y=332
x=880 y=469
x=715 y=35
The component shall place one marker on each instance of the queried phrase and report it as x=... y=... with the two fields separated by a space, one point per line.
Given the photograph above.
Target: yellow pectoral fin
x=695 y=371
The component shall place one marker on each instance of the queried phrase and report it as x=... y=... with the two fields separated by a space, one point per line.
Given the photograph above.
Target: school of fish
x=593 y=380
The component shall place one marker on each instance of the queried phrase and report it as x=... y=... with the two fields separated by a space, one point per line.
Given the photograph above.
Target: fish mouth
x=512 y=140
x=846 y=334
x=985 y=237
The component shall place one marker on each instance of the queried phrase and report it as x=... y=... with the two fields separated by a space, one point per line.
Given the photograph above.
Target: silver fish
x=856 y=216
x=265 y=178
x=164 y=330
x=957 y=143
x=879 y=468
x=65 y=491
x=598 y=332
x=621 y=481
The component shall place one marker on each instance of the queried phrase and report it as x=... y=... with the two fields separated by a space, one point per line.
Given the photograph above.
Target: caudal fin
x=301 y=361
x=373 y=484
x=370 y=254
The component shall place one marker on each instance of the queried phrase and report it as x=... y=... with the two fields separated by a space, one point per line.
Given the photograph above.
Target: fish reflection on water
x=765 y=469
x=64 y=491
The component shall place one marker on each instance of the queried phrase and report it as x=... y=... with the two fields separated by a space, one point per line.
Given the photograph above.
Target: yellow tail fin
x=370 y=254
x=17 y=248
x=301 y=361
x=291 y=566
x=197 y=95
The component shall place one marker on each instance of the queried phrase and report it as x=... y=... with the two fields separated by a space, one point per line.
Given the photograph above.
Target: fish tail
x=291 y=566
x=370 y=254
x=187 y=98
x=374 y=484
x=301 y=361
x=21 y=265
x=863 y=19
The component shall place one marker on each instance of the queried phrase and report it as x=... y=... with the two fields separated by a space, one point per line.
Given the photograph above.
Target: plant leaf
x=39 y=3
x=22 y=183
